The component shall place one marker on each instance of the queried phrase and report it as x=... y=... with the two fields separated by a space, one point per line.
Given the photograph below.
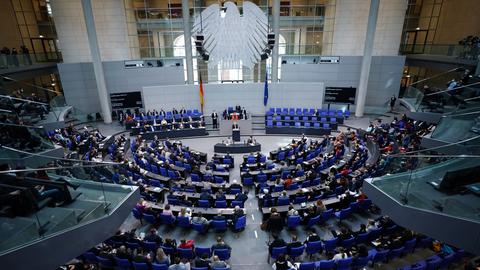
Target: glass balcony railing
x=453 y=50
x=462 y=125
x=21 y=60
x=25 y=111
x=48 y=201
x=445 y=184
x=27 y=139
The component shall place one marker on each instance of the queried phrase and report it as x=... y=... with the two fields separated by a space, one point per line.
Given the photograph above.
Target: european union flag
x=265 y=90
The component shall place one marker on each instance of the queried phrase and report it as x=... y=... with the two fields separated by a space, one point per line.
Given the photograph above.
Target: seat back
x=293 y=221
x=219 y=225
x=186 y=253
x=199 y=251
x=183 y=222
x=296 y=251
x=156 y=266
x=326 y=265
x=241 y=223
x=276 y=251
x=307 y=266
x=223 y=254
x=344 y=263
x=140 y=266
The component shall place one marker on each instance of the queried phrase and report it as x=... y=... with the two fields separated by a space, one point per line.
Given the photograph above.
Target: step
x=17 y=231
x=55 y=219
x=86 y=209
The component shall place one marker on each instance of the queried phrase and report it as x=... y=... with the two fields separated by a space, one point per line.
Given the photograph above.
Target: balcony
x=434 y=195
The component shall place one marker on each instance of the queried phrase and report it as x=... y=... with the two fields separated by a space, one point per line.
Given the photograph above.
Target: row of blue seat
x=184 y=222
x=125 y=264
x=269 y=123
x=303 y=119
x=307 y=111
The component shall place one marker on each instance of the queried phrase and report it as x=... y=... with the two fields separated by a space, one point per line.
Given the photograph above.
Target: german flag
x=202 y=101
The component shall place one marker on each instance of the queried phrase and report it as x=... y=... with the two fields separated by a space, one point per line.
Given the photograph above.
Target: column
x=188 y=40
x=97 y=62
x=367 y=58
x=276 y=31
x=156 y=44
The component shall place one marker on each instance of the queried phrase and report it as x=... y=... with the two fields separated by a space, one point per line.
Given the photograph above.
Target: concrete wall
x=220 y=96
x=80 y=89
x=350 y=27
x=385 y=75
x=458 y=19
x=9 y=31
x=111 y=25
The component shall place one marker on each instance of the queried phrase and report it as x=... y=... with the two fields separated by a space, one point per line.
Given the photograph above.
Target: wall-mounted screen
x=126 y=100
x=340 y=95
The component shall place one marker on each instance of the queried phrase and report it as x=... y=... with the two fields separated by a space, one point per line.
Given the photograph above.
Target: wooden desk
x=284 y=208
x=196 y=195
x=204 y=211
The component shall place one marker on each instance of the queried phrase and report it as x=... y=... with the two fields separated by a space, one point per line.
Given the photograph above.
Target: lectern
x=236 y=134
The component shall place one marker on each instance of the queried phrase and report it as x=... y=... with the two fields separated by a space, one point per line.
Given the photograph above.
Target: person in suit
x=294 y=243
x=215 y=119
x=244 y=114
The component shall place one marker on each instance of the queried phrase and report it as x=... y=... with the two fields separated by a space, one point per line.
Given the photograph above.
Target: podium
x=236 y=134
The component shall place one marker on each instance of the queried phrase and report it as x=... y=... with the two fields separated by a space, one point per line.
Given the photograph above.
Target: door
x=45 y=49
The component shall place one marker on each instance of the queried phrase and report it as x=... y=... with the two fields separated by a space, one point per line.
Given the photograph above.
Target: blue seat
x=221 y=268
x=156 y=266
x=168 y=250
x=150 y=219
x=261 y=178
x=421 y=265
x=344 y=264
x=326 y=265
x=313 y=221
x=248 y=181
x=447 y=260
x=380 y=256
x=269 y=123
x=296 y=252
x=104 y=263
x=167 y=219
x=395 y=253
x=195 y=177
x=221 y=204
x=137 y=214
x=361 y=262
x=300 y=199
x=183 y=222
x=433 y=262
x=348 y=243
x=283 y=201
x=326 y=125
x=140 y=266
x=330 y=245
x=199 y=251
x=132 y=245
x=223 y=254
x=409 y=246
x=313 y=247
x=307 y=266
x=200 y=228
x=293 y=221
x=237 y=203
x=151 y=246
x=240 y=224
x=298 y=125
x=276 y=251
x=123 y=264
x=219 y=225
x=279 y=124
x=343 y=213
x=361 y=238
x=204 y=203
x=186 y=253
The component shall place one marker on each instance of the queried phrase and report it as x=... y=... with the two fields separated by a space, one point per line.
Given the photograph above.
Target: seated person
x=276 y=242
x=202 y=261
x=312 y=236
x=200 y=219
x=282 y=263
x=153 y=237
x=220 y=244
x=242 y=196
x=294 y=243
x=184 y=243
x=217 y=263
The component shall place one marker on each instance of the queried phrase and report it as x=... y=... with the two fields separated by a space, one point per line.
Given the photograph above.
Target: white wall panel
x=220 y=96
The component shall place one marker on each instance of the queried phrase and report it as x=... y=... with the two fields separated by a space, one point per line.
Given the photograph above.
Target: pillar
x=188 y=40
x=276 y=31
x=97 y=61
x=367 y=58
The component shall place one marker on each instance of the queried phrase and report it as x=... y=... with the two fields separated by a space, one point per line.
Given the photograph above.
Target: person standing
x=215 y=119
x=15 y=57
x=393 y=99
x=26 y=55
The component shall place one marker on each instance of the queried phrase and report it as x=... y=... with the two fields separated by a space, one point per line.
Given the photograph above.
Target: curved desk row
x=237 y=148
x=173 y=133
x=295 y=130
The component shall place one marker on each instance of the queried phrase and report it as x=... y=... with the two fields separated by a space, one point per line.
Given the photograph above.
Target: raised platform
x=176 y=133
x=294 y=130
x=237 y=148
x=226 y=126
